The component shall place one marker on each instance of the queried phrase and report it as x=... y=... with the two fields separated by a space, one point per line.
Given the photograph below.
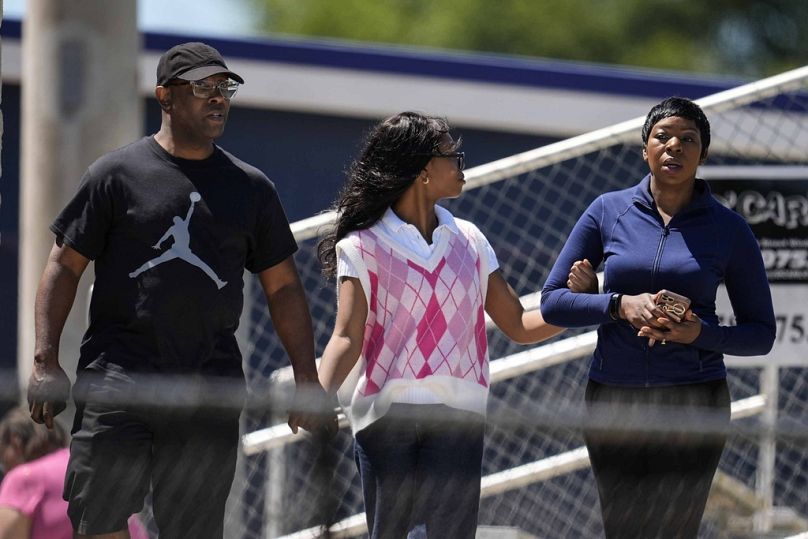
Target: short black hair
x=683 y=108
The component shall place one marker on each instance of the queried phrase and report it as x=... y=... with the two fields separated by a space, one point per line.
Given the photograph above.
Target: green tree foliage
x=752 y=37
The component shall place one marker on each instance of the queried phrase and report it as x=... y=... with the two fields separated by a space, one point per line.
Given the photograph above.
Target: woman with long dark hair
x=408 y=357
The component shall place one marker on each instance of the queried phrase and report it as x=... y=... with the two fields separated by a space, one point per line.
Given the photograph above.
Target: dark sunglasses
x=460 y=156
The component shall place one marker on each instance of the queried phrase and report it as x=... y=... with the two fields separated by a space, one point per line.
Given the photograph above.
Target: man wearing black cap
x=171 y=222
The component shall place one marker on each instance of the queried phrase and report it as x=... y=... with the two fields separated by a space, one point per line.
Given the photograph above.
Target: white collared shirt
x=410 y=238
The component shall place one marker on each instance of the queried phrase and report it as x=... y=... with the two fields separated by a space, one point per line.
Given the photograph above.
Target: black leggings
x=654 y=452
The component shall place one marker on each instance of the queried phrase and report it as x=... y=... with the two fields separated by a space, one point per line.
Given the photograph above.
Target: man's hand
x=289 y=310
x=49 y=386
x=310 y=410
x=48 y=391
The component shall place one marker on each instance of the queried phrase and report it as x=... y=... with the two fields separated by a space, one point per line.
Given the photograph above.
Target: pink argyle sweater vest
x=424 y=340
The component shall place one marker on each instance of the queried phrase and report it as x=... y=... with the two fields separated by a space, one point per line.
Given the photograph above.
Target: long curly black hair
x=394 y=154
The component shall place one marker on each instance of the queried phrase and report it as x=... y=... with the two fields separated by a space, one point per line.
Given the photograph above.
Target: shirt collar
x=394 y=223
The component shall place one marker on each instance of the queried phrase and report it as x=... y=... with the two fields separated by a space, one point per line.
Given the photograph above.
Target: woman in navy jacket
x=650 y=374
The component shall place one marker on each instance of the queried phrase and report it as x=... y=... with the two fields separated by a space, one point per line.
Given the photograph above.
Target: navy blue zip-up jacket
x=702 y=245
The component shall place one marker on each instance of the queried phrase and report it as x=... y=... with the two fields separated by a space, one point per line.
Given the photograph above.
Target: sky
x=209 y=17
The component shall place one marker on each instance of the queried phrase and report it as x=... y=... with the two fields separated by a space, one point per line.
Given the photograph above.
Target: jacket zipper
x=657 y=258
x=665 y=231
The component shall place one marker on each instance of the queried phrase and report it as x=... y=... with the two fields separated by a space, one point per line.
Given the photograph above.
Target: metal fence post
x=764 y=480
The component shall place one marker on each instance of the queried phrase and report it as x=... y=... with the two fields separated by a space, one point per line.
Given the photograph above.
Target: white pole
x=764 y=479
x=79 y=100
x=275 y=487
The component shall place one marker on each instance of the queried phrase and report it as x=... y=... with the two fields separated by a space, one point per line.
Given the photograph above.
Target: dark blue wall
x=9 y=226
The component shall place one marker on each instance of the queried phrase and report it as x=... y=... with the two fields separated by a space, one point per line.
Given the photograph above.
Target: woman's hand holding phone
x=679 y=323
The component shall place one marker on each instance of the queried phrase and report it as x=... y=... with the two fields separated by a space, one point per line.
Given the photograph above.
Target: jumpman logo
x=181 y=248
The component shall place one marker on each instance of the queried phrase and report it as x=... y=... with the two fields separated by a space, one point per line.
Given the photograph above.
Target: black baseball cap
x=192 y=61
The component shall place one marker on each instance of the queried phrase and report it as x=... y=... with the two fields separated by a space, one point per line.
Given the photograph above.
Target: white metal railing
x=551 y=154
x=518 y=477
x=501 y=369
x=535 y=359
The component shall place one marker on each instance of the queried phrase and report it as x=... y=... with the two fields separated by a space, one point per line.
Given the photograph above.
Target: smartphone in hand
x=672 y=304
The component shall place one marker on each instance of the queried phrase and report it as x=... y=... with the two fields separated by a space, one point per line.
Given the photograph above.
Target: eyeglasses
x=460 y=156
x=227 y=88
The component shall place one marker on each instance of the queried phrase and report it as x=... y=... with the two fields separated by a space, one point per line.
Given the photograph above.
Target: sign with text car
x=774 y=201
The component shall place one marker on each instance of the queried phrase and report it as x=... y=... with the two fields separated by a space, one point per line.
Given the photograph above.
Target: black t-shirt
x=171 y=239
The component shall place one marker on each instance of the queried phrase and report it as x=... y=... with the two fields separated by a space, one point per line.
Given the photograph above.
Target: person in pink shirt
x=34 y=459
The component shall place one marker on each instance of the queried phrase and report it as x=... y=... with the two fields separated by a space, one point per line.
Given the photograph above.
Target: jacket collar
x=702 y=195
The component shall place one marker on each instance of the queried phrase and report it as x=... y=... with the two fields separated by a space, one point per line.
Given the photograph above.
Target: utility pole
x=79 y=101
